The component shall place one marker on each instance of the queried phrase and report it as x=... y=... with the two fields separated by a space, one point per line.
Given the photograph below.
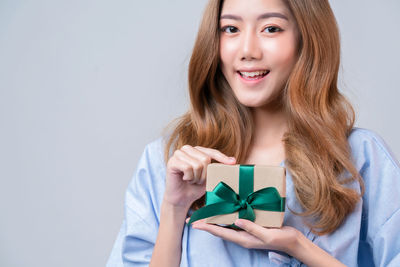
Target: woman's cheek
x=229 y=50
x=280 y=53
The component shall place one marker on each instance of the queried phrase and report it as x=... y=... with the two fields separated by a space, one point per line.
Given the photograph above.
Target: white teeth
x=254 y=73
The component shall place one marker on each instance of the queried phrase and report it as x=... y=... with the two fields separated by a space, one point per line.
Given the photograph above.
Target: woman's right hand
x=186 y=174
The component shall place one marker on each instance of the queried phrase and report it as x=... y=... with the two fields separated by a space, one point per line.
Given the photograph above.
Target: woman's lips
x=253 y=77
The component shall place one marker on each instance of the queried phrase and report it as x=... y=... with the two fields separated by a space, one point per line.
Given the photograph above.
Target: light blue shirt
x=369 y=236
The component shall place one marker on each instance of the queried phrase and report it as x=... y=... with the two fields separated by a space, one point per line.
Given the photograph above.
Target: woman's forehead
x=259 y=9
x=238 y=5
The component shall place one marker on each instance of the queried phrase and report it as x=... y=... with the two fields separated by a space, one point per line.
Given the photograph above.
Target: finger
x=183 y=166
x=251 y=227
x=240 y=237
x=201 y=157
x=196 y=153
x=196 y=165
x=188 y=219
x=198 y=222
x=214 y=229
x=217 y=155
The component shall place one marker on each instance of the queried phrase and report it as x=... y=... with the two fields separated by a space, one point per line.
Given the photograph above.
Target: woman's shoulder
x=361 y=135
x=380 y=171
x=367 y=145
x=148 y=181
x=150 y=167
x=154 y=150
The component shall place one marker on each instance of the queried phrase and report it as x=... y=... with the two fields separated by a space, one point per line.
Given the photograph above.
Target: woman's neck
x=267 y=147
x=269 y=127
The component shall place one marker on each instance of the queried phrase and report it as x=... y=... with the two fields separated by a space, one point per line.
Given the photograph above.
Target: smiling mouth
x=254 y=75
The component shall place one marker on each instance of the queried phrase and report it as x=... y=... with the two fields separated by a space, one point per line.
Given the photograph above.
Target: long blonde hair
x=320 y=117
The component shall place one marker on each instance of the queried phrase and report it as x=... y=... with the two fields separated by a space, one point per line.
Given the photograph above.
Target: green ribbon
x=224 y=200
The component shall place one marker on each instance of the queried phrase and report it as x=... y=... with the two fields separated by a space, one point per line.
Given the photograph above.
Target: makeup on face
x=258 y=48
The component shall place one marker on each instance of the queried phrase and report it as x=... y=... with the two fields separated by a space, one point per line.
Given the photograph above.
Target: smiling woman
x=257 y=50
x=263 y=90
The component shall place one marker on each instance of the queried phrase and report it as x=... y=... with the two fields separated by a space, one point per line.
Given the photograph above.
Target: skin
x=247 y=42
x=269 y=43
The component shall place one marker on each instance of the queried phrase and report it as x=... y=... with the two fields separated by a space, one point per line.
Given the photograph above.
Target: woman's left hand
x=286 y=239
x=254 y=236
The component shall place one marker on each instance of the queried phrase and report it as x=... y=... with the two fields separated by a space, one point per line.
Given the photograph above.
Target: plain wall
x=84 y=85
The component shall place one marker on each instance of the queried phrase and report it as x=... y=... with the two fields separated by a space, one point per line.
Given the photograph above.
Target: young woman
x=263 y=90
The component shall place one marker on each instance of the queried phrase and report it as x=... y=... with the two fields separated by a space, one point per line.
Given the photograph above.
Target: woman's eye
x=229 y=29
x=272 y=29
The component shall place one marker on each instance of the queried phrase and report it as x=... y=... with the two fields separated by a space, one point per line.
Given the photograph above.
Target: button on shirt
x=369 y=236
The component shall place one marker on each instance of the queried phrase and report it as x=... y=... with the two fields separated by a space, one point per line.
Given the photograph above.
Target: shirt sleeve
x=381 y=201
x=138 y=232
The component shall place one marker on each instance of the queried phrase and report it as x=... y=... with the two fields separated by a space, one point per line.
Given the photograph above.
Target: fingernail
x=238 y=223
x=232 y=159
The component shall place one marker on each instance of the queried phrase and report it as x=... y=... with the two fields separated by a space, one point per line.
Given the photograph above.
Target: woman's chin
x=266 y=104
x=251 y=103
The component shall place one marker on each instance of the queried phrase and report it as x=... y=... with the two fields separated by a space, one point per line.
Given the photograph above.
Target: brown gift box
x=264 y=176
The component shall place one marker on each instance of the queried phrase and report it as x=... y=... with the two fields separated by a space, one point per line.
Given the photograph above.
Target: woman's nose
x=251 y=49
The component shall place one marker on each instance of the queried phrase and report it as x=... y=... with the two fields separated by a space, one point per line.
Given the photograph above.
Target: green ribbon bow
x=224 y=200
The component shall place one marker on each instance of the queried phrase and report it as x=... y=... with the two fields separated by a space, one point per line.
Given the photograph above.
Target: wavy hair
x=320 y=118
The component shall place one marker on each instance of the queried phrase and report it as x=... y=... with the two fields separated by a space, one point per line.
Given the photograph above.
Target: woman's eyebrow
x=262 y=16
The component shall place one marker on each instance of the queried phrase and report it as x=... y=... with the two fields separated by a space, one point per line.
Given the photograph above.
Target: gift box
x=252 y=192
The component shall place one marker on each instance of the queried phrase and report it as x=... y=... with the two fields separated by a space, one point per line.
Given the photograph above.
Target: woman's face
x=258 y=48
